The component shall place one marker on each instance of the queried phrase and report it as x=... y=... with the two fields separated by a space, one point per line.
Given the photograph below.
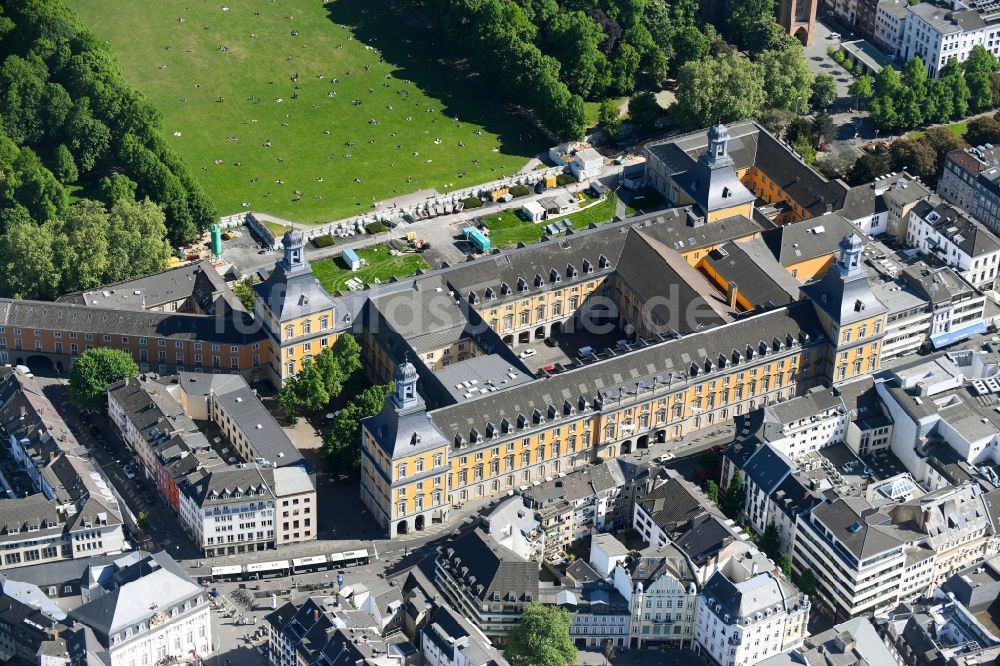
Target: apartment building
x=485 y=582
x=890 y=25
x=960 y=183
x=448 y=639
x=854 y=639
x=174 y=617
x=748 y=612
x=71 y=511
x=659 y=585
x=856 y=553
x=952 y=237
x=512 y=524
x=938 y=33
x=250 y=490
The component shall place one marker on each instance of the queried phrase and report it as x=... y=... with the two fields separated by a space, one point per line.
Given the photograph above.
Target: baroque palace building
x=746 y=292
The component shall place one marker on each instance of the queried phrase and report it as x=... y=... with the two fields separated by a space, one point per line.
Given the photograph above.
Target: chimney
x=732 y=292
x=753 y=568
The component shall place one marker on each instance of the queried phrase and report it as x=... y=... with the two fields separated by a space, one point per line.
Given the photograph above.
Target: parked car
x=527 y=353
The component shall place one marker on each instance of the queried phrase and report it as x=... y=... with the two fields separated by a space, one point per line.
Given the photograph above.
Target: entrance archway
x=661 y=436
x=508 y=340
x=402 y=527
x=418 y=523
x=802 y=34
x=627 y=446
x=643 y=442
x=524 y=337
x=540 y=333
x=41 y=366
x=556 y=328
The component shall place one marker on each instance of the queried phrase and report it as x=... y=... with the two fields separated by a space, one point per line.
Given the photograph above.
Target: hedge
x=520 y=191
x=324 y=241
x=472 y=202
x=375 y=228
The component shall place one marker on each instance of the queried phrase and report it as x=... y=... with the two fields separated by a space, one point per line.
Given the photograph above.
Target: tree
x=81 y=240
x=142 y=522
x=836 y=164
x=943 y=141
x=644 y=110
x=609 y=118
x=657 y=67
x=979 y=67
x=749 y=23
x=805 y=148
x=868 y=167
x=824 y=129
x=982 y=131
x=244 y=291
x=137 y=243
x=114 y=187
x=732 y=502
x=807 y=582
x=787 y=78
x=712 y=491
x=995 y=83
x=953 y=80
x=341 y=444
x=93 y=371
x=770 y=542
x=914 y=156
x=722 y=89
x=541 y=638
x=786 y=565
x=690 y=45
x=573 y=39
x=63 y=165
x=27 y=268
x=862 y=89
x=339 y=363
x=624 y=66
x=824 y=92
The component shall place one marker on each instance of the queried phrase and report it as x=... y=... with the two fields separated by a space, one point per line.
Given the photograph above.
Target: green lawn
x=181 y=67
x=958 y=129
x=277 y=229
x=507 y=229
x=377 y=264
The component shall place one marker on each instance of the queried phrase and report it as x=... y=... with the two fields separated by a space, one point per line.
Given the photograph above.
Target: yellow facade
x=746 y=210
x=810 y=269
x=770 y=192
x=511 y=317
x=859 y=348
x=449 y=475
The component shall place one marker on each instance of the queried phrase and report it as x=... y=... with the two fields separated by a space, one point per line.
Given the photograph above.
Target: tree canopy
x=93 y=371
x=722 y=89
x=322 y=378
x=70 y=118
x=341 y=444
x=541 y=638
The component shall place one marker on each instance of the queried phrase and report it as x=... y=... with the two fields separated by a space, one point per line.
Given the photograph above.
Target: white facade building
x=936 y=35
x=951 y=236
x=749 y=612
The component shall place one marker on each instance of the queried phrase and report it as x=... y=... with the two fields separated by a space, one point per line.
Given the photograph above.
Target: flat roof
x=479 y=375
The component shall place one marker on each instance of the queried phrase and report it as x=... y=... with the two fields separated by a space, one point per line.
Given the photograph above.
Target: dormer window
x=587 y=266
x=473 y=436
x=504 y=425
x=552 y=412
x=536 y=417
x=570 y=271
x=602 y=262
x=491 y=430
x=538 y=280
x=490 y=294
x=472 y=297
x=521 y=421
x=504 y=288
x=522 y=285
x=554 y=276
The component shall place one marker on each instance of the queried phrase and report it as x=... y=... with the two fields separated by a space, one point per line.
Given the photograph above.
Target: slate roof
x=485 y=567
x=861 y=202
x=767 y=468
x=145 y=589
x=198 y=281
x=36 y=511
x=758 y=277
x=241 y=403
x=672 y=504
x=652 y=562
x=845 y=294
x=972 y=238
x=714 y=187
x=99 y=320
x=659 y=275
x=862 y=529
x=752 y=145
x=850 y=643
x=800 y=241
x=291 y=292
x=627 y=372
x=207 y=488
